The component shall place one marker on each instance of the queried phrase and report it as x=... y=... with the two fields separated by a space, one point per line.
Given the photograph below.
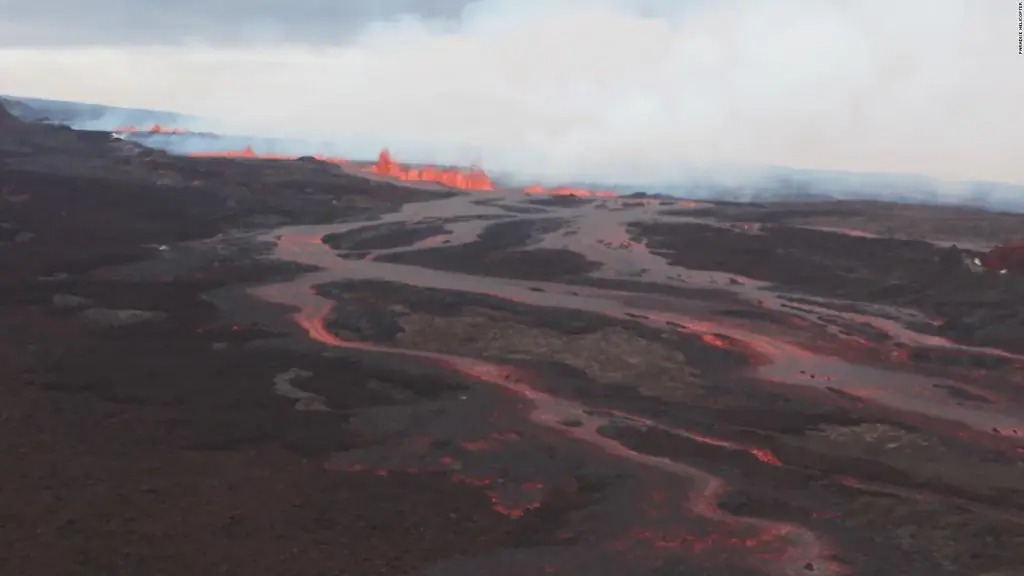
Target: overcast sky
x=69 y=22
x=573 y=88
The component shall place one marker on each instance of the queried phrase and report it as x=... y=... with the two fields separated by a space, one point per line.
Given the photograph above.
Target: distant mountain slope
x=18 y=109
x=90 y=116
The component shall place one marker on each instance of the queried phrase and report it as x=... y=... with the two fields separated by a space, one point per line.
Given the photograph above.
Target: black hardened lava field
x=231 y=366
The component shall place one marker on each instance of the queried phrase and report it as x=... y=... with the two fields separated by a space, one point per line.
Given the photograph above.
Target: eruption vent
x=473 y=179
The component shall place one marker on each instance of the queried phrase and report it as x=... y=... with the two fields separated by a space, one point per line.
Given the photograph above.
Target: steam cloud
x=637 y=91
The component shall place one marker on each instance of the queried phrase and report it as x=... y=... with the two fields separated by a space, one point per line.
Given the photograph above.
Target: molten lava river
x=663 y=479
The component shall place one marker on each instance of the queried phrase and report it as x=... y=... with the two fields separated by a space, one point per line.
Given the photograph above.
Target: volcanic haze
x=637 y=91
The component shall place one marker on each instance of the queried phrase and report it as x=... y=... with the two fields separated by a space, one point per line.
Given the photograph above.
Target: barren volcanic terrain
x=236 y=366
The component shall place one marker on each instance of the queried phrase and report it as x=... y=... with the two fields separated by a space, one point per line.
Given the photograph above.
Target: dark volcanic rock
x=496 y=253
x=197 y=393
x=7 y=119
x=984 y=309
x=366 y=319
x=12 y=131
x=106 y=318
x=566 y=201
x=383 y=236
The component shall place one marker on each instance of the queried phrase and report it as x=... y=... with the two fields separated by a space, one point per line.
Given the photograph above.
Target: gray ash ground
x=320 y=374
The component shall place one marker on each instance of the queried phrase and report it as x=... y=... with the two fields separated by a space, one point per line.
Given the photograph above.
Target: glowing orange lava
x=568 y=191
x=473 y=179
x=154 y=129
x=491 y=442
x=664 y=527
x=248 y=152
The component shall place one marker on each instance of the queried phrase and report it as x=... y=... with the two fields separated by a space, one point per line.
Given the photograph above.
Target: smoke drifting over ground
x=602 y=90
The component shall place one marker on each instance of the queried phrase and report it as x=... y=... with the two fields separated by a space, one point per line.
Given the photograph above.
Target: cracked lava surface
x=522 y=439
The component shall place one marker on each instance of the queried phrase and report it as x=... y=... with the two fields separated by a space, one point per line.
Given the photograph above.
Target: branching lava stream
x=668 y=510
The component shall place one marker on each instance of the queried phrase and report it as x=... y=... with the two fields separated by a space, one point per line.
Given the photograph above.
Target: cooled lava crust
x=237 y=366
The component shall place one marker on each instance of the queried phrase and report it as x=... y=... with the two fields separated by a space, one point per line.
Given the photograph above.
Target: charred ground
x=154 y=406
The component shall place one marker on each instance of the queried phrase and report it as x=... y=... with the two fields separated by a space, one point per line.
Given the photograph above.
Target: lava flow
x=779 y=355
x=473 y=179
x=692 y=525
x=249 y=153
x=568 y=191
x=154 y=129
x=780 y=547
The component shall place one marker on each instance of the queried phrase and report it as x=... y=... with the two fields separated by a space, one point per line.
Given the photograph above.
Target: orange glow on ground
x=154 y=129
x=472 y=179
x=248 y=152
x=568 y=191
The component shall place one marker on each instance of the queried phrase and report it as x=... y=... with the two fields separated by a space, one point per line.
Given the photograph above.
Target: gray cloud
x=69 y=22
x=617 y=89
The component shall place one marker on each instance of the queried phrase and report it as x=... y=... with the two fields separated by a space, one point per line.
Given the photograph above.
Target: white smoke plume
x=605 y=89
